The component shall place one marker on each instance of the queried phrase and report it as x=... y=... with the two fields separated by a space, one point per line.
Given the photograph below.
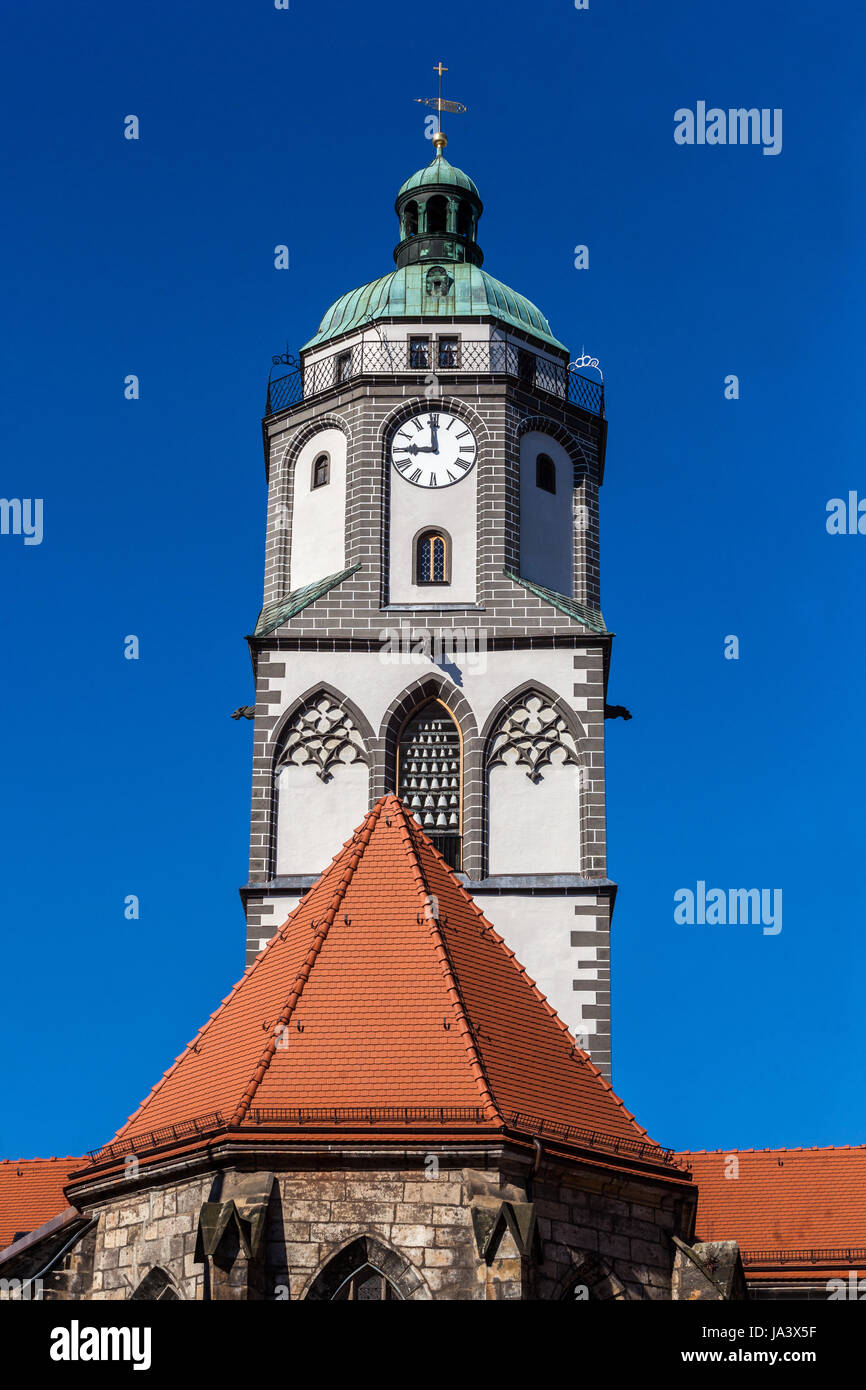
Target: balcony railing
x=440 y=357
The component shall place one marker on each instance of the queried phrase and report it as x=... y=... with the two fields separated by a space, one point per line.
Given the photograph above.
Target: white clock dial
x=433 y=449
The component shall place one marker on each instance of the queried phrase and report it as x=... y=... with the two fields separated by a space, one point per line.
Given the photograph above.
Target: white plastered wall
x=546 y=519
x=534 y=827
x=315 y=817
x=319 y=514
x=414 y=509
x=538 y=930
x=372 y=680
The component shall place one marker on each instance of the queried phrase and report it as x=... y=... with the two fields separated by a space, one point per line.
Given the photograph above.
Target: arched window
x=545 y=473
x=432 y=558
x=429 y=776
x=464 y=218
x=437 y=214
x=366 y=1271
x=410 y=220
x=366 y=1285
x=321 y=470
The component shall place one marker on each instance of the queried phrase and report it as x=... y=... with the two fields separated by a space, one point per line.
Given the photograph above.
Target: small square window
x=449 y=352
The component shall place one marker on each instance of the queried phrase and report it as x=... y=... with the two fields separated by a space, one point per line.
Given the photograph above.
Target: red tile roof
x=31 y=1193
x=386 y=988
x=783 y=1204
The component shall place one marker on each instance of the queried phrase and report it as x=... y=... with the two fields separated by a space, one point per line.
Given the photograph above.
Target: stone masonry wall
x=442 y=1229
x=612 y=1244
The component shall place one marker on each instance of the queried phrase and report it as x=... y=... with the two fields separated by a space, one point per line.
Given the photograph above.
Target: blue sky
x=155 y=257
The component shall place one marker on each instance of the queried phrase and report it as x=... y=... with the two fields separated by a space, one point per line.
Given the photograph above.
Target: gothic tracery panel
x=322 y=733
x=533 y=735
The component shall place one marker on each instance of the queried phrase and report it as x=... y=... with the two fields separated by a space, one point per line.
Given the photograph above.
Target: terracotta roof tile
x=31 y=1193
x=388 y=988
x=783 y=1200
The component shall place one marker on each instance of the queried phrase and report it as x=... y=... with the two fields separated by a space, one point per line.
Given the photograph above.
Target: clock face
x=433 y=449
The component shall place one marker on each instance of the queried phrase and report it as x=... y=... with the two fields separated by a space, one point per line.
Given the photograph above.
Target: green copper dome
x=409 y=293
x=439 y=261
x=439 y=171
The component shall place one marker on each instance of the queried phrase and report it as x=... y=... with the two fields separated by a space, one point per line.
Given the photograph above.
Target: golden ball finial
x=439 y=142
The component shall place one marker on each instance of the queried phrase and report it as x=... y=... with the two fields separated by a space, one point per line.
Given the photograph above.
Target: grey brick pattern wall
x=591 y=940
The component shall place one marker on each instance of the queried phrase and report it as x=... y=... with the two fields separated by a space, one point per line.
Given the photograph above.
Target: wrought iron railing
x=838 y=1256
x=593 y=1138
x=318 y=1115
x=442 y=358
x=155 y=1138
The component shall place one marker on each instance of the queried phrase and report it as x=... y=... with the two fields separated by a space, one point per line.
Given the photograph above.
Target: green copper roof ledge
x=472 y=293
x=439 y=171
x=273 y=615
x=571 y=607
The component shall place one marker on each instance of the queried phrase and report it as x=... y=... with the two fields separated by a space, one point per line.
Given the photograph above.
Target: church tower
x=431 y=621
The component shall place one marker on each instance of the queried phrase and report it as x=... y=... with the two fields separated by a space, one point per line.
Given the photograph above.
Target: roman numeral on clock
x=413 y=477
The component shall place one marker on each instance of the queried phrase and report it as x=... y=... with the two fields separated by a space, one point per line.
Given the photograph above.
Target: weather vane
x=439 y=105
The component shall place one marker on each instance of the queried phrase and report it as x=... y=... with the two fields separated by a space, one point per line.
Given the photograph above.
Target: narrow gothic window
x=545 y=473
x=419 y=352
x=366 y=1285
x=410 y=215
x=431 y=561
x=525 y=367
x=464 y=218
x=344 y=366
x=428 y=776
x=321 y=470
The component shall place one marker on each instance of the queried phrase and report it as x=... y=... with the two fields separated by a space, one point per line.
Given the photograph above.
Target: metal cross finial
x=439 y=104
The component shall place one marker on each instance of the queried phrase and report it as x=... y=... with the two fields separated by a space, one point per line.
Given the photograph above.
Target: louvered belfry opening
x=428 y=776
